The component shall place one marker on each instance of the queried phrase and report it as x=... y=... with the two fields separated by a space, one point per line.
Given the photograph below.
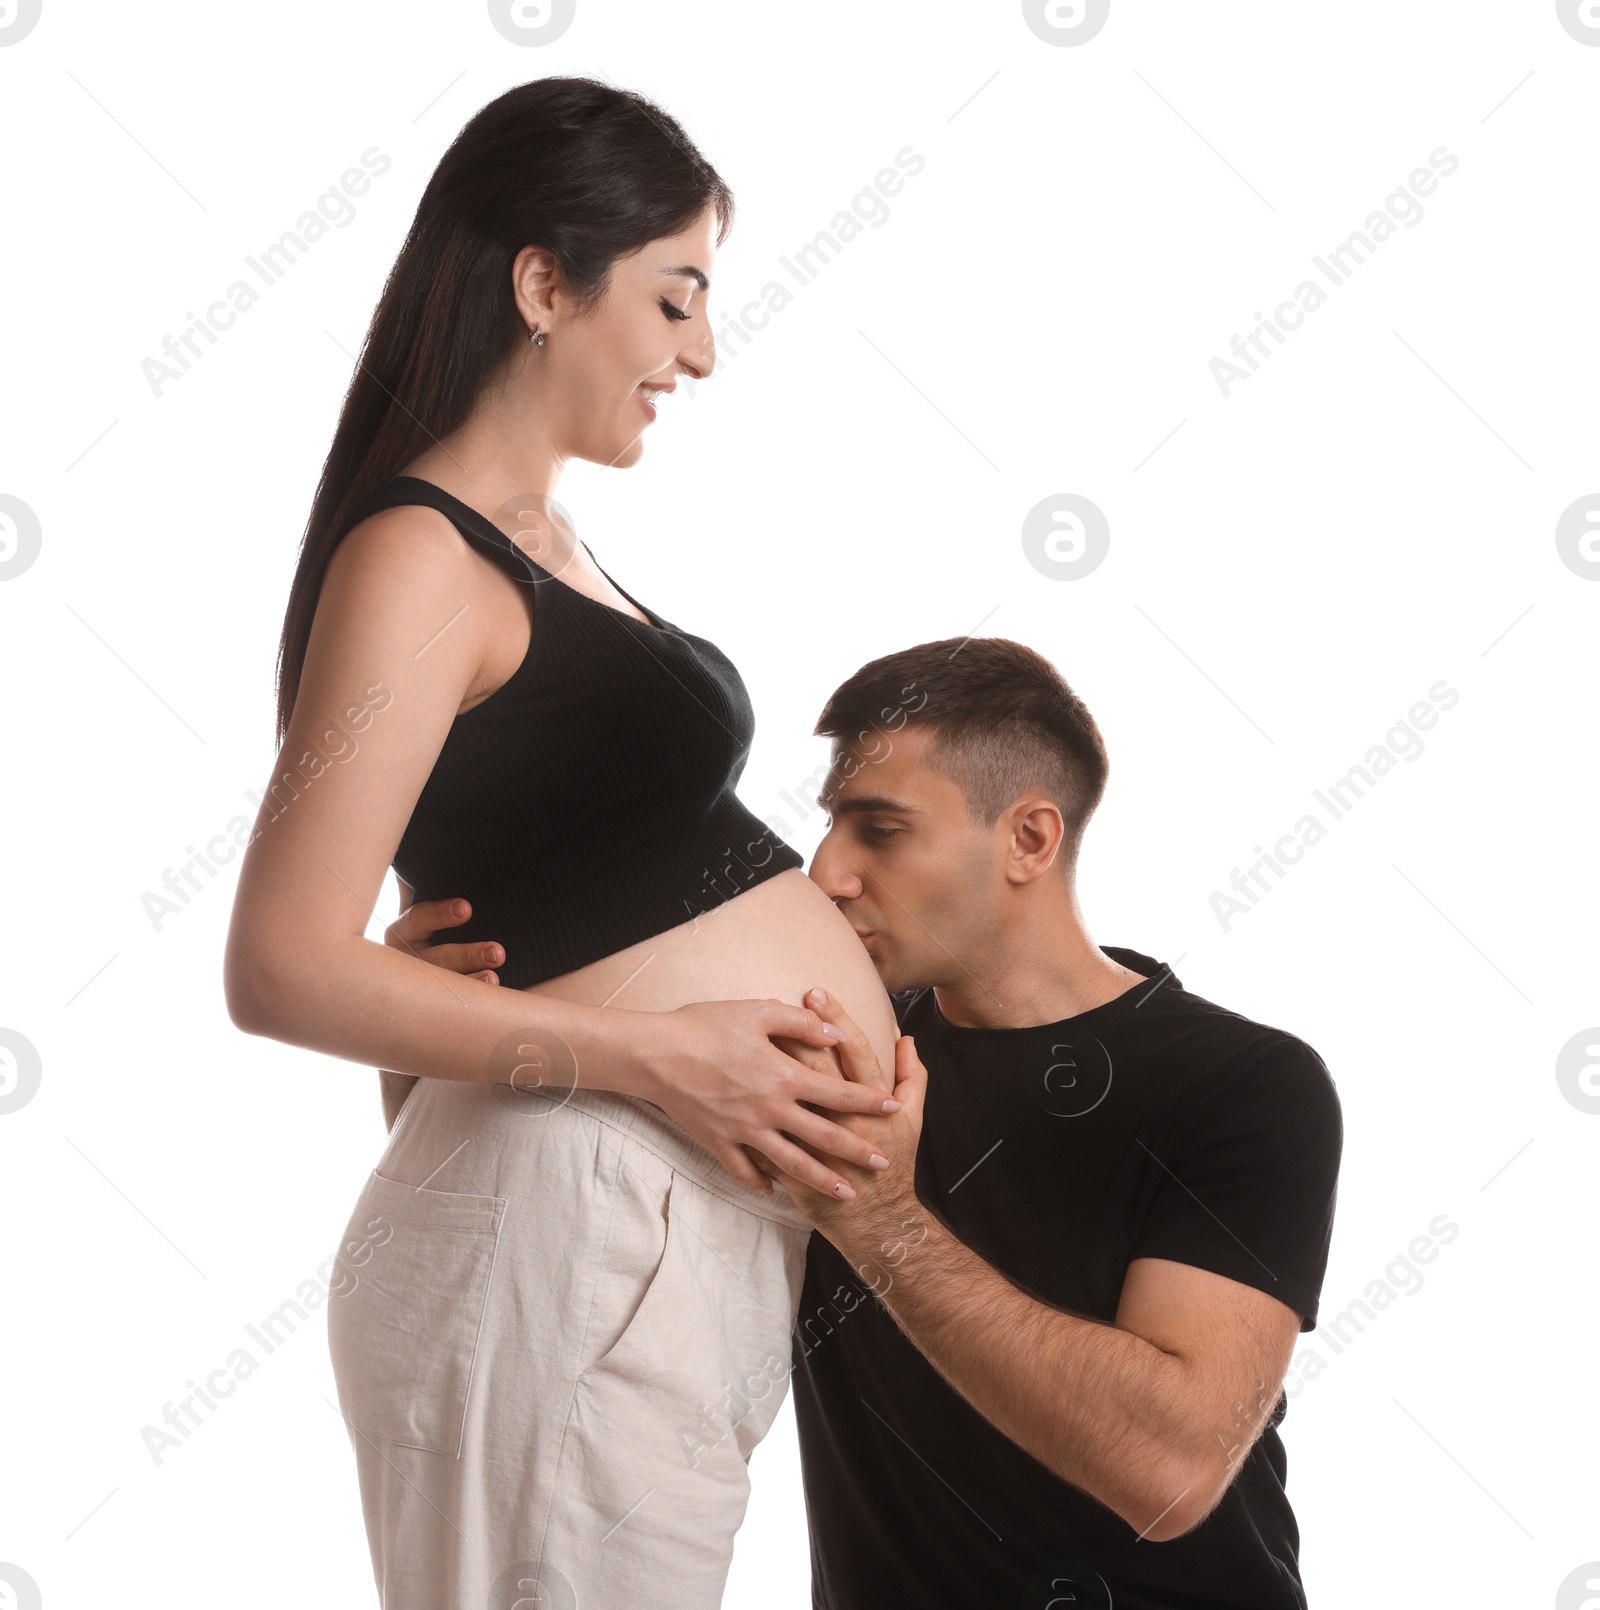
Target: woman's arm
x=395 y=647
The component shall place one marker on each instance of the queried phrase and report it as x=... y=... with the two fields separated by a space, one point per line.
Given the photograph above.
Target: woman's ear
x=535 y=277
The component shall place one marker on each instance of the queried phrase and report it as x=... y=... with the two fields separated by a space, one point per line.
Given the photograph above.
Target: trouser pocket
x=694 y=1361
x=406 y=1309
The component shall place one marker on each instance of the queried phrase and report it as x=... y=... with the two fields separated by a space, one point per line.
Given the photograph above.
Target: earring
x=537 y=337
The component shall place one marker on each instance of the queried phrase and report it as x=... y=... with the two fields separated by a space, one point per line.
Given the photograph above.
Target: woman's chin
x=630 y=453
x=617 y=454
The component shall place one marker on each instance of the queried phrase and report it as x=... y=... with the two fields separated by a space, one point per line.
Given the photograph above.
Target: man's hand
x=854 y=1059
x=413 y=930
x=884 y=1198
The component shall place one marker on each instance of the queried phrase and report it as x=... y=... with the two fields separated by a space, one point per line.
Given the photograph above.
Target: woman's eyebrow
x=690 y=273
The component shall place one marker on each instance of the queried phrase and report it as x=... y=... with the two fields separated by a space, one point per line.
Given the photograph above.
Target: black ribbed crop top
x=587 y=803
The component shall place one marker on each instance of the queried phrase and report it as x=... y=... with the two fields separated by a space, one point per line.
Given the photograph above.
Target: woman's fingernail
x=458 y=908
x=843 y=1192
x=891 y=1106
x=495 y=955
x=877 y=1160
x=833 y=1031
x=819 y=997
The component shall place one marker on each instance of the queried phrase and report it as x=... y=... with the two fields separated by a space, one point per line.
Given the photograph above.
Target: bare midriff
x=777 y=940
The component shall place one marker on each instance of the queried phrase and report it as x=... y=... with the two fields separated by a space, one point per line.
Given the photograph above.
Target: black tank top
x=588 y=803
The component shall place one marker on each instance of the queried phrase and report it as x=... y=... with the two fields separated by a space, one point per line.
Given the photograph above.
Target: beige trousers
x=558 y=1330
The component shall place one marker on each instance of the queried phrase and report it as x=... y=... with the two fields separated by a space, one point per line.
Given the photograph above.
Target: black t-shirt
x=1156 y=1125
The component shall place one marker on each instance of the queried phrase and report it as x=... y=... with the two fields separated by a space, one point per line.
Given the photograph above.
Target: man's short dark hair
x=1006 y=724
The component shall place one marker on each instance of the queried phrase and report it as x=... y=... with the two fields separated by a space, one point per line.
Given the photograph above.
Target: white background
x=1290 y=569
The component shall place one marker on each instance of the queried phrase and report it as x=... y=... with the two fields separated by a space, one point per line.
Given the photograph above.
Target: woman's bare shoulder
x=394 y=545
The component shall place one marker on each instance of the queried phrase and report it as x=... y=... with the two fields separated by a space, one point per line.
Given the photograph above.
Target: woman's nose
x=699 y=357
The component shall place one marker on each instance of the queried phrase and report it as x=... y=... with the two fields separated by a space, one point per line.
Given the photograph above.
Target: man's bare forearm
x=1102 y=1408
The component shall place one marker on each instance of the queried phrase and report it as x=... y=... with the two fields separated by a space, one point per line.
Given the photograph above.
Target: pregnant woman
x=564 y=1296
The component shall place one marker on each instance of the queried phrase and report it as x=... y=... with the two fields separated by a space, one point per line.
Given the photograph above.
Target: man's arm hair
x=1151 y=1415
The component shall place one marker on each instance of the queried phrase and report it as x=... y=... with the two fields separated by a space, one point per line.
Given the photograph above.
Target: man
x=1047 y=1370
x=1045 y=1366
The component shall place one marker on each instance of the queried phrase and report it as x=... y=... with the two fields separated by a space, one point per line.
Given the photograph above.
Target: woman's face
x=596 y=372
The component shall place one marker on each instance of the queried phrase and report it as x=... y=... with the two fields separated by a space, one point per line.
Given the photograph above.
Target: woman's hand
x=702 y=1066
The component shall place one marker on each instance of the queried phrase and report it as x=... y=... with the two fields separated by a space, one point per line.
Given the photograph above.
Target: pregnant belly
x=777 y=940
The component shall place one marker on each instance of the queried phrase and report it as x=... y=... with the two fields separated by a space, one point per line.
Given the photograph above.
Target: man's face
x=919 y=880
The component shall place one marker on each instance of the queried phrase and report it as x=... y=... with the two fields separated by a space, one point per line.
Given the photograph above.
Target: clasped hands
x=883 y=1196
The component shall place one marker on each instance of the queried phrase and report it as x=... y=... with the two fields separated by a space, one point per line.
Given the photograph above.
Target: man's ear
x=1037 y=834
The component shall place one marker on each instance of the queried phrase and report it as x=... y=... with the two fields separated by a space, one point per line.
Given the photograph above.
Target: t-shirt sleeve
x=1247 y=1190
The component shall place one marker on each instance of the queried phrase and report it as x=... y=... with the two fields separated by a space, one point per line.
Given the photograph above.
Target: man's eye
x=881 y=832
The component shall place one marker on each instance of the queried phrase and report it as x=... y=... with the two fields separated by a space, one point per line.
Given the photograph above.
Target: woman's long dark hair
x=589 y=172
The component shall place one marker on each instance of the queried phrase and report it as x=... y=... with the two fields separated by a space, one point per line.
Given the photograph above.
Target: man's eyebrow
x=859 y=804
x=691 y=273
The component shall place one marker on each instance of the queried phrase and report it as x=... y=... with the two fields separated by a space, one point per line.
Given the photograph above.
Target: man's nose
x=831 y=874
